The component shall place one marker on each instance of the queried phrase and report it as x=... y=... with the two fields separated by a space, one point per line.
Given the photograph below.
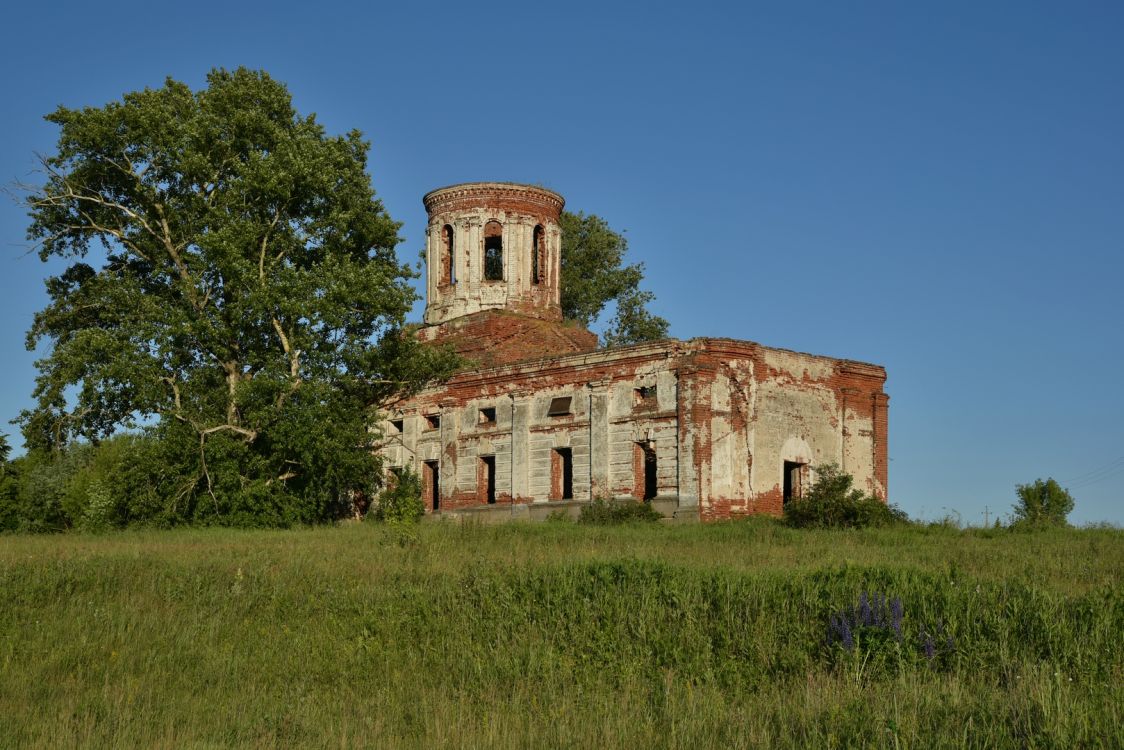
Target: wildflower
x=928 y=646
x=896 y=613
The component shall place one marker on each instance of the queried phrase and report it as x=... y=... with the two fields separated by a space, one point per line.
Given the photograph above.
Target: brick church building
x=544 y=421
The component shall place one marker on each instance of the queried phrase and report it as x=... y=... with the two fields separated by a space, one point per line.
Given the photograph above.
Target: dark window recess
x=486 y=479
x=396 y=426
x=448 y=262
x=559 y=406
x=646 y=396
x=432 y=484
x=562 y=474
x=536 y=255
x=433 y=421
x=488 y=416
x=793 y=474
x=493 y=251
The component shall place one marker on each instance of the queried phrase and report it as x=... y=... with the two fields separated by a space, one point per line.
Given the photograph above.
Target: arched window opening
x=536 y=254
x=493 y=251
x=448 y=258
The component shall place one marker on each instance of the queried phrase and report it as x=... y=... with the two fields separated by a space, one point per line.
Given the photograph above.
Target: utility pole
x=986 y=517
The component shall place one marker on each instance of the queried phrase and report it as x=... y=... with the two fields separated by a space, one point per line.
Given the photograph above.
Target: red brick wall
x=494 y=337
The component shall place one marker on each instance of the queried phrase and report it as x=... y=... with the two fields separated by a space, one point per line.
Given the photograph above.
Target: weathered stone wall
x=707 y=428
x=720 y=416
x=456 y=286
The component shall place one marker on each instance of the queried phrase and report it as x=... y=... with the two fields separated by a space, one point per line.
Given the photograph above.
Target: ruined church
x=544 y=420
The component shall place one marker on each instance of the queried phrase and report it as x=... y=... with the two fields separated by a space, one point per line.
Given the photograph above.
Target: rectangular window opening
x=431 y=488
x=645 y=396
x=396 y=426
x=793 y=476
x=559 y=406
x=493 y=251
x=486 y=479
x=488 y=415
x=433 y=421
x=536 y=255
x=562 y=474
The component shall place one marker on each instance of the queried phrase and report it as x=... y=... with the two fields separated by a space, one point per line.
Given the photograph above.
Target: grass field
x=559 y=635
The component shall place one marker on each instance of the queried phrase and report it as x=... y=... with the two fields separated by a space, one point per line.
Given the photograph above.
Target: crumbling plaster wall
x=463 y=289
x=722 y=417
x=753 y=408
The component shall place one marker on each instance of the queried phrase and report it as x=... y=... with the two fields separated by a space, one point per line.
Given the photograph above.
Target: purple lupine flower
x=864 y=609
x=896 y=613
x=928 y=646
x=839 y=629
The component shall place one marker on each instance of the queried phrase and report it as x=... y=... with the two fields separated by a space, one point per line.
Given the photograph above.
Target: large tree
x=594 y=274
x=245 y=302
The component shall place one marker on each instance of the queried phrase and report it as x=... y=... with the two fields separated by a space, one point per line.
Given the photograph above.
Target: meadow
x=560 y=635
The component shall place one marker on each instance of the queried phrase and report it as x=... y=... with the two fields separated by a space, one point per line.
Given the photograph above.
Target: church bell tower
x=493 y=246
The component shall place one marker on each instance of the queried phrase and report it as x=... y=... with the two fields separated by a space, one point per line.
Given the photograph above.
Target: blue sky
x=937 y=188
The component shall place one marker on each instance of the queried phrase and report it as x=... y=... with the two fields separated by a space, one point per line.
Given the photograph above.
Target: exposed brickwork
x=722 y=416
x=502 y=196
x=716 y=391
x=496 y=337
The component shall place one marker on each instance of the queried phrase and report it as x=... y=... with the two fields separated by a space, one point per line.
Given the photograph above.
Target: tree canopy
x=245 y=305
x=594 y=274
x=1042 y=502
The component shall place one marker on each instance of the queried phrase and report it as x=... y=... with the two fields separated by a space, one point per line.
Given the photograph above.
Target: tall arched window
x=448 y=258
x=493 y=251
x=536 y=254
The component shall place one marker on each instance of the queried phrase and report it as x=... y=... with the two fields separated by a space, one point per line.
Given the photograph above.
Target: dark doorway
x=644 y=470
x=486 y=479
x=432 y=485
x=562 y=474
x=793 y=480
x=649 y=472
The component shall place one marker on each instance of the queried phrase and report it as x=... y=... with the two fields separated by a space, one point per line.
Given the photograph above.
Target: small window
x=645 y=396
x=562 y=474
x=448 y=259
x=433 y=421
x=488 y=416
x=559 y=406
x=396 y=426
x=536 y=254
x=493 y=251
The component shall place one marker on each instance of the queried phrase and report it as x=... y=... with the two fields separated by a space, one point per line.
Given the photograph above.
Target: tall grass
x=558 y=636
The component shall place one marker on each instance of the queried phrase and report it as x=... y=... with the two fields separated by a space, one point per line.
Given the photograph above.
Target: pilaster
x=599 y=439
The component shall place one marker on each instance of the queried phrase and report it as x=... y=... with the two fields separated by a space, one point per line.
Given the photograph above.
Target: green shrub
x=401 y=501
x=833 y=502
x=1042 y=503
x=101 y=511
x=606 y=513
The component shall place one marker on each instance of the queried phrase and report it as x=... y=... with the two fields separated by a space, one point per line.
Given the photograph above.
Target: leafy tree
x=249 y=305
x=9 y=488
x=593 y=275
x=834 y=502
x=1043 y=502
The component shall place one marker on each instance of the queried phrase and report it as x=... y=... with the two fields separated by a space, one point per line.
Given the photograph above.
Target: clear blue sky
x=935 y=188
